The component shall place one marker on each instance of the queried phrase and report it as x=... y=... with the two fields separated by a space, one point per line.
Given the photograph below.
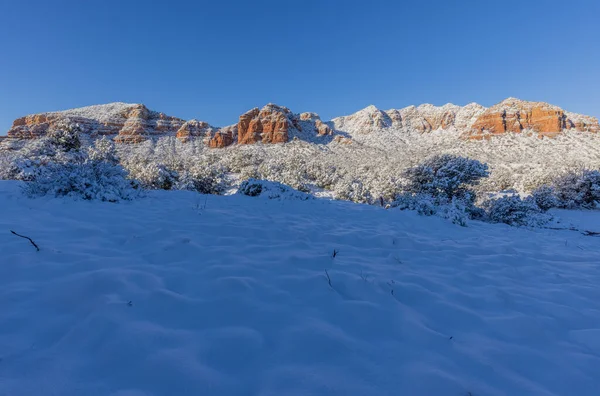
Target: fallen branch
x=328 y=279
x=590 y=233
x=584 y=232
x=561 y=228
x=26 y=237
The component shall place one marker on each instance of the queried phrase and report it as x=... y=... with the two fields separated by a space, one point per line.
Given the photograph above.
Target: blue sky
x=213 y=60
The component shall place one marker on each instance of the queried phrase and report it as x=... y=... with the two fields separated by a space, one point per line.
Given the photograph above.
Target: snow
x=185 y=294
x=371 y=120
x=102 y=113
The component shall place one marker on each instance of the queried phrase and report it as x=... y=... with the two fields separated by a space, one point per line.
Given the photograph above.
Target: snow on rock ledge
x=515 y=115
x=127 y=123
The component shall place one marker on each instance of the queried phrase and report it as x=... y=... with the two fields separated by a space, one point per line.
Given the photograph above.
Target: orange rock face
x=514 y=115
x=127 y=123
x=270 y=124
x=194 y=129
x=223 y=137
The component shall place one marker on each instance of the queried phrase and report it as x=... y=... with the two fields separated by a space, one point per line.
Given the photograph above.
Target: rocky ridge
x=515 y=115
x=126 y=123
x=134 y=123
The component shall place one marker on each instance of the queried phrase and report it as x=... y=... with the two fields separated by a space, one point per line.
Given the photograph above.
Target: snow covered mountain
x=133 y=123
x=424 y=118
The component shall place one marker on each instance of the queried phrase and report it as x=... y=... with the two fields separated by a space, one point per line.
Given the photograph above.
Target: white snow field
x=185 y=294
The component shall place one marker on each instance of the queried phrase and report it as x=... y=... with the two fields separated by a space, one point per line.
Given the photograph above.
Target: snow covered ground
x=185 y=294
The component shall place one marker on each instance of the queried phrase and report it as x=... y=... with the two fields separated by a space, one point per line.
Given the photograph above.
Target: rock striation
x=424 y=118
x=126 y=123
x=271 y=124
x=224 y=137
x=514 y=116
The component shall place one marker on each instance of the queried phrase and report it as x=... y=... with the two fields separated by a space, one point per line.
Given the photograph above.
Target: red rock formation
x=128 y=123
x=270 y=124
x=582 y=122
x=321 y=128
x=195 y=129
x=514 y=115
x=223 y=137
x=134 y=123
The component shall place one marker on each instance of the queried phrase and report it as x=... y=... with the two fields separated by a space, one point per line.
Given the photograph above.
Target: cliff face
x=271 y=124
x=127 y=123
x=514 y=116
x=424 y=118
x=473 y=120
x=134 y=123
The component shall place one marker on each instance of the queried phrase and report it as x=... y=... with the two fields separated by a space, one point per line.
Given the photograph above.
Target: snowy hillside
x=185 y=294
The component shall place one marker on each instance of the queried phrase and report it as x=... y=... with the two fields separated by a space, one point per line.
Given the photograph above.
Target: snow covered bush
x=442 y=186
x=445 y=176
x=578 y=189
x=424 y=204
x=545 y=197
x=88 y=179
x=290 y=170
x=65 y=136
x=154 y=176
x=103 y=150
x=352 y=189
x=203 y=179
x=455 y=210
x=9 y=170
x=512 y=210
x=270 y=190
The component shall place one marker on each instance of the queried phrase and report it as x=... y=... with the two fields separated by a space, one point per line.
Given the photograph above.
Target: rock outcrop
x=134 y=123
x=195 y=129
x=127 y=123
x=368 y=120
x=312 y=123
x=473 y=120
x=424 y=118
x=271 y=124
x=582 y=122
x=225 y=136
x=514 y=116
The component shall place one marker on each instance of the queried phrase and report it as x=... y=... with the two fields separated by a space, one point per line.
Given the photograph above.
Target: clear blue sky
x=213 y=60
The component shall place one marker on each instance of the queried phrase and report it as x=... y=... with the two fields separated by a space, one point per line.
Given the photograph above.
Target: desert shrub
x=271 y=190
x=88 y=179
x=65 y=136
x=424 y=204
x=445 y=176
x=442 y=186
x=289 y=171
x=103 y=149
x=352 y=189
x=578 y=189
x=545 y=197
x=154 y=176
x=512 y=210
x=208 y=179
x=9 y=169
x=455 y=210
x=322 y=174
x=251 y=188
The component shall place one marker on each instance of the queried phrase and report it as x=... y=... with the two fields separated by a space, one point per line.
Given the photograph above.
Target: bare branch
x=26 y=237
x=328 y=279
